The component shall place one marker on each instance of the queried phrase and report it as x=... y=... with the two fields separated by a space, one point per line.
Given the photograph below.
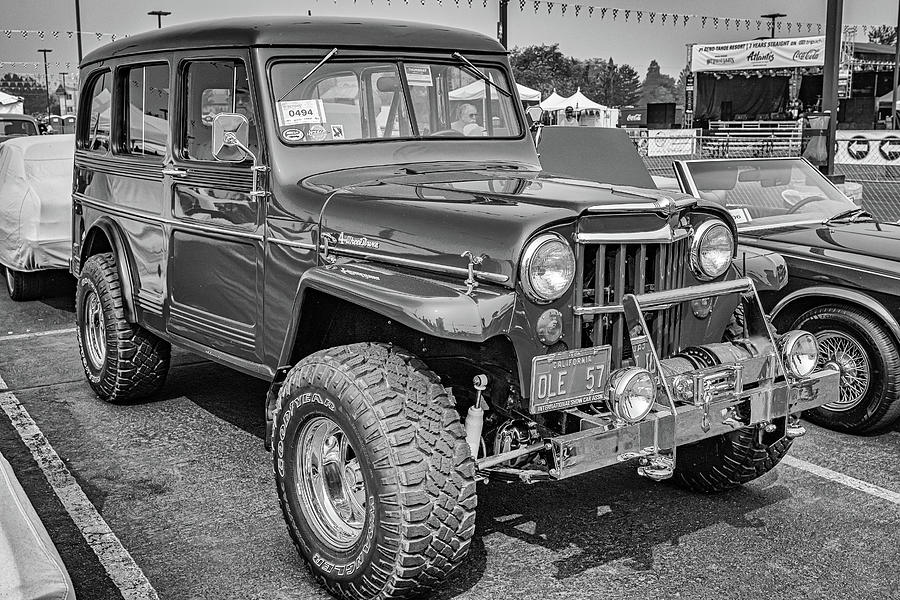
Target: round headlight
x=631 y=394
x=799 y=352
x=711 y=249
x=548 y=268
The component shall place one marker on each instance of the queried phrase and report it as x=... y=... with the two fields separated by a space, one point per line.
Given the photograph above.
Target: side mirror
x=230 y=136
x=534 y=113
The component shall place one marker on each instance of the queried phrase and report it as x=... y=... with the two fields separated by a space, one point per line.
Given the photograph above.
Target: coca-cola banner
x=775 y=53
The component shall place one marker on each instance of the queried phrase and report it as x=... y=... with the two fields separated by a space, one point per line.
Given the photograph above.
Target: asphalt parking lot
x=173 y=497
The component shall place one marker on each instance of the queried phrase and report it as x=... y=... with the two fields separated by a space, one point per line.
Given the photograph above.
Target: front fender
x=431 y=306
x=104 y=226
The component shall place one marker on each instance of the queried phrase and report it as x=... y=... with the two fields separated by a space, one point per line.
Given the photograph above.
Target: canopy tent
x=579 y=101
x=475 y=91
x=889 y=97
x=553 y=102
x=10 y=104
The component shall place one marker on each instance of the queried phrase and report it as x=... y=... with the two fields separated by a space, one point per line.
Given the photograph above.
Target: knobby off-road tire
x=727 y=461
x=122 y=361
x=402 y=514
x=23 y=286
x=870 y=368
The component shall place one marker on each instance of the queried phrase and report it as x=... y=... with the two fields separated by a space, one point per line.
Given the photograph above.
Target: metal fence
x=880 y=183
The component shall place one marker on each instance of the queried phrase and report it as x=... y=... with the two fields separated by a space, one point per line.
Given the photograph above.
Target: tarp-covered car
x=35 y=210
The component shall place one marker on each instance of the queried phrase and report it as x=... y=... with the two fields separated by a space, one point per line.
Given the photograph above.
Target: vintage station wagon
x=299 y=199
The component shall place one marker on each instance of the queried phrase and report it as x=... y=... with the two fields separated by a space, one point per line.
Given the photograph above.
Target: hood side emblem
x=328 y=240
x=470 y=282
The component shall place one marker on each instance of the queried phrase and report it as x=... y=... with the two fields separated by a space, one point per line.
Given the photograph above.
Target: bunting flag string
x=9 y=33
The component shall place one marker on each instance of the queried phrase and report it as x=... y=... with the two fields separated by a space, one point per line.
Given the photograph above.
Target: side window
x=146 y=110
x=213 y=87
x=93 y=134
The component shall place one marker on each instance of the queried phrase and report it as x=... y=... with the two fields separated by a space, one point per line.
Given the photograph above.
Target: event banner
x=775 y=53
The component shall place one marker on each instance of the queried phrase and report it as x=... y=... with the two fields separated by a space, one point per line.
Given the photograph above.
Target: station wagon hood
x=434 y=218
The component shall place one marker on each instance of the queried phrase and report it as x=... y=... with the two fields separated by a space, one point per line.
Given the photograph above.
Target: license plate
x=569 y=378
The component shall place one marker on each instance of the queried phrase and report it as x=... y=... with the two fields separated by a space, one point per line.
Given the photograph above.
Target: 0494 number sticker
x=298 y=112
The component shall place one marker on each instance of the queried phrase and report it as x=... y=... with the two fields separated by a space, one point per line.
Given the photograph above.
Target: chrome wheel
x=843 y=351
x=94 y=331
x=330 y=483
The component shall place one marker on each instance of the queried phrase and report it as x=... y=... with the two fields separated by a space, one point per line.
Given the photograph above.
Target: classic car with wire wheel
x=289 y=197
x=843 y=274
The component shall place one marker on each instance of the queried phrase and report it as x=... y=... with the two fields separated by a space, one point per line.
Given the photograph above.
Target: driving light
x=711 y=249
x=631 y=394
x=799 y=352
x=548 y=268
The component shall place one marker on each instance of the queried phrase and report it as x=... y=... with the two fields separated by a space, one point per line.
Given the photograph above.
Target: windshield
x=348 y=101
x=769 y=192
x=17 y=127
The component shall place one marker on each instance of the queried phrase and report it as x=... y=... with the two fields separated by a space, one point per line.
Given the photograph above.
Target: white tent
x=10 y=104
x=475 y=91
x=554 y=102
x=579 y=101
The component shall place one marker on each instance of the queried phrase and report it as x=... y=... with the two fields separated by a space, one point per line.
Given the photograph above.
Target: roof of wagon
x=299 y=31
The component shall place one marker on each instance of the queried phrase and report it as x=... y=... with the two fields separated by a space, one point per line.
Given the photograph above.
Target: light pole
x=78 y=27
x=159 y=14
x=44 y=51
x=65 y=98
x=773 y=16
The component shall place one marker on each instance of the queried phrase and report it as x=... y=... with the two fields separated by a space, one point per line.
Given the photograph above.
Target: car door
x=217 y=236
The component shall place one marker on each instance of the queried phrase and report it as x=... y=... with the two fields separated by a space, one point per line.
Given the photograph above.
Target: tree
x=544 y=68
x=883 y=34
x=32 y=92
x=657 y=87
x=619 y=84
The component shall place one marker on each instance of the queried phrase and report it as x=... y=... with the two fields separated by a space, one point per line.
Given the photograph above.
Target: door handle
x=174 y=172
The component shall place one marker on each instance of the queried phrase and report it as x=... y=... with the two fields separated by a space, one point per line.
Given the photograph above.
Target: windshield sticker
x=418 y=75
x=297 y=112
x=316 y=133
x=292 y=135
x=741 y=215
x=337 y=132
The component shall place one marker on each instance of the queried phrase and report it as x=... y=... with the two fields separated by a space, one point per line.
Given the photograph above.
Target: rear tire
x=727 y=461
x=374 y=476
x=122 y=361
x=870 y=368
x=23 y=286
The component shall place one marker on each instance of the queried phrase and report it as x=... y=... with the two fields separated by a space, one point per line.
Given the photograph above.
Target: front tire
x=374 y=476
x=869 y=363
x=122 y=361
x=724 y=462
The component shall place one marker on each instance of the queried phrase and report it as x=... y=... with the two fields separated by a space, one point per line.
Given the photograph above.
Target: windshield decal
x=317 y=133
x=740 y=215
x=298 y=112
x=418 y=75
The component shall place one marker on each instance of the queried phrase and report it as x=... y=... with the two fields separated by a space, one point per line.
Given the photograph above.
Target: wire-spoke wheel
x=838 y=348
x=864 y=351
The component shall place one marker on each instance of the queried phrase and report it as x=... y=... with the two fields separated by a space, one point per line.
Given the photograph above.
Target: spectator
x=466 y=114
x=571 y=120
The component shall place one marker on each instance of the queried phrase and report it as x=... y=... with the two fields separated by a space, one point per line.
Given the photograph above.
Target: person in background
x=466 y=114
x=570 y=120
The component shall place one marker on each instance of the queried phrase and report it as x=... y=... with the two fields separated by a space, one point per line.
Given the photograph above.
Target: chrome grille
x=606 y=272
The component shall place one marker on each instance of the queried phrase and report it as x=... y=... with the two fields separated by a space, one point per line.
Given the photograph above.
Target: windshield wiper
x=852 y=214
x=474 y=71
x=311 y=71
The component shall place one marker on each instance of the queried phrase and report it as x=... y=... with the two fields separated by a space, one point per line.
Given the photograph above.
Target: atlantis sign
x=777 y=53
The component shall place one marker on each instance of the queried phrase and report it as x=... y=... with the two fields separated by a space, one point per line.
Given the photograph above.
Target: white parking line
x=852 y=482
x=34 y=334
x=116 y=560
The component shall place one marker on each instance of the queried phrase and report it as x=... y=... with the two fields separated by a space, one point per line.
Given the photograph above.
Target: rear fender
x=95 y=243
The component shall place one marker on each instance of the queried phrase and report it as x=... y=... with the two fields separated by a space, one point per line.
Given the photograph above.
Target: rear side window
x=146 y=111
x=213 y=87
x=93 y=135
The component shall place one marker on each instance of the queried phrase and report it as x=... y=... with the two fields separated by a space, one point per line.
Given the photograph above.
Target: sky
x=581 y=36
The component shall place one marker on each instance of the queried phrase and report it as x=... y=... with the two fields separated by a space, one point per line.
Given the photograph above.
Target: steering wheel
x=809 y=199
x=447 y=133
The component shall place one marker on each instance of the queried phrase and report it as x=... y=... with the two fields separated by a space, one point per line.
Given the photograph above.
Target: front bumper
x=751 y=390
